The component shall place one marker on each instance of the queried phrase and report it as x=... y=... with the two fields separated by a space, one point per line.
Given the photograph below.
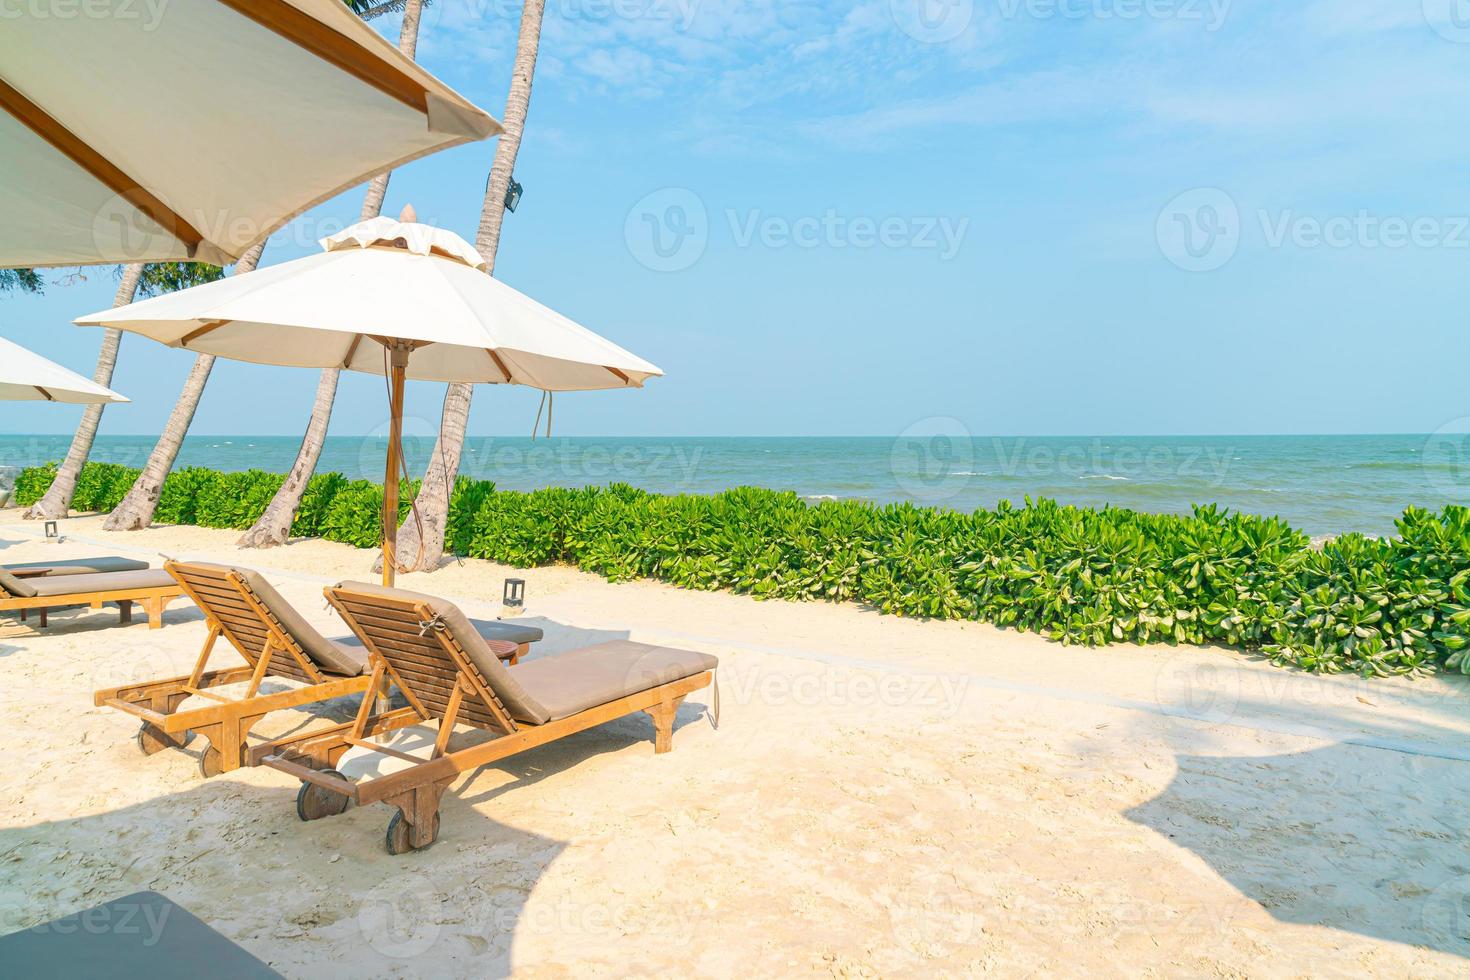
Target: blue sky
x=1031 y=216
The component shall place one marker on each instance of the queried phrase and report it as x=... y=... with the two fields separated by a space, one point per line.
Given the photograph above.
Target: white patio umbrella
x=26 y=376
x=193 y=129
x=386 y=297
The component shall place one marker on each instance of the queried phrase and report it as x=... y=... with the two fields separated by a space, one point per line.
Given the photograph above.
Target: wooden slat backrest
x=426 y=662
x=244 y=619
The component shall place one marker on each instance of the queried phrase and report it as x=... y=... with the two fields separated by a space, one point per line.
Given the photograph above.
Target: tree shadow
x=297 y=895
x=1324 y=838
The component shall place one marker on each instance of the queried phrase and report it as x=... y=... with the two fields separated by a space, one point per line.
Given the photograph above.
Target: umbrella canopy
x=193 y=129
x=385 y=280
x=386 y=297
x=28 y=377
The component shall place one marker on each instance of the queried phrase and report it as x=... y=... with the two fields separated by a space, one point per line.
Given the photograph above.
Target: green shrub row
x=1375 y=606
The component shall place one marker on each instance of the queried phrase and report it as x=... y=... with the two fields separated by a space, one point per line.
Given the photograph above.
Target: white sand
x=883 y=798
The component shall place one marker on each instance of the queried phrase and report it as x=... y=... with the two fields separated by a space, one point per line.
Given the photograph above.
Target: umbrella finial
x=408 y=215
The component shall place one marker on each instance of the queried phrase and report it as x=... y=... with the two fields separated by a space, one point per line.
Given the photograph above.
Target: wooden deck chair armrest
x=169 y=685
x=336 y=734
x=307 y=774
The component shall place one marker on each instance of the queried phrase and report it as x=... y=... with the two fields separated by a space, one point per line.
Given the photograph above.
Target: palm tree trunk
x=136 y=509
x=274 y=525
x=56 y=503
x=426 y=553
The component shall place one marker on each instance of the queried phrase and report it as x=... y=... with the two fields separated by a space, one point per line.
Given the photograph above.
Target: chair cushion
x=65 y=585
x=348 y=651
x=498 y=629
x=79 y=566
x=568 y=683
x=521 y=705
x=13 y=586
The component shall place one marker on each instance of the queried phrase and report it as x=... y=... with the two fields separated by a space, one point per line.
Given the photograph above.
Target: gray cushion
x=65 y=585
x=580 y=679
x=497 y=629
x=79 y=566
x=521 y=705
x=338 y=657
x=13 y=586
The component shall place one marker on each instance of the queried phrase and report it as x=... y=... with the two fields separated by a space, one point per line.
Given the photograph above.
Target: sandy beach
x=883 y=797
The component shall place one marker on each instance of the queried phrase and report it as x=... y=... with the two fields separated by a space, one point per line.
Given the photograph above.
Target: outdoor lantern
x=513 y=195
x=515 y=593
x=51 y=531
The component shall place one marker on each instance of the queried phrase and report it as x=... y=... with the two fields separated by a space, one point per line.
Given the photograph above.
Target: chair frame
x=152 y=600
x=232 y=610
x=419 y=661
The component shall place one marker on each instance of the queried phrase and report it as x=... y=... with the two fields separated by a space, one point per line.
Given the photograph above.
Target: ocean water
x=1321 y=484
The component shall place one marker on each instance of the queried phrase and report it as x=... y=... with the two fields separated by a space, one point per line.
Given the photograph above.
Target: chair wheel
x=314 y=802
x=399 y=841
x=151 y=739
x=211 y=763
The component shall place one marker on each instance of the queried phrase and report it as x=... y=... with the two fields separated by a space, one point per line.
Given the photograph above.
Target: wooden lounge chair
x=75 y=566
x=287 y=664
x=47 y=589
x=457 y=689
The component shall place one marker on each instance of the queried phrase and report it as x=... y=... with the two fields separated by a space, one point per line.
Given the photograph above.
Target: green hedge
x=1375 y=606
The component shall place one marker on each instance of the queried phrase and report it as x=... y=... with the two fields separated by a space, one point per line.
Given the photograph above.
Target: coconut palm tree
x=137 y=507
x=424 y=553
x=274 y=525
x=151 y=280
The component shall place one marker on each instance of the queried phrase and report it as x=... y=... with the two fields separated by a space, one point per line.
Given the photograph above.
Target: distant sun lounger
x=44 y=586
x=458 y=690
x=287 y=664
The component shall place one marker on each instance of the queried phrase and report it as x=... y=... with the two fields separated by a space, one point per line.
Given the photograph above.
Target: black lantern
x=51 y=531
x=513 y=195
x=515 y=593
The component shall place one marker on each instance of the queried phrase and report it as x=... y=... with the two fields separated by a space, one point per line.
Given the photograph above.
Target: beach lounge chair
x=75 y=566
x=459 y=692
x=43 y=586
x=287 y=664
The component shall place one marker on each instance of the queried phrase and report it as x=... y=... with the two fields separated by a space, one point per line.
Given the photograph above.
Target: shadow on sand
x=1320 y=838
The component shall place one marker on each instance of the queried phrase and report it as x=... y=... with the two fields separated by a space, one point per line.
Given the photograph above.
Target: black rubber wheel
x=211 y=763
x=398 y=835
x=314 y=802
x=151 y=740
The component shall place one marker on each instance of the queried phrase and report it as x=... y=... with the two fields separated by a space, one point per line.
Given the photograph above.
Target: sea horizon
x=1321 y=484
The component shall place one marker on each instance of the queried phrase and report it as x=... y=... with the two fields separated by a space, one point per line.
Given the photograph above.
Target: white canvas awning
x=26 y=376
x=193 y=129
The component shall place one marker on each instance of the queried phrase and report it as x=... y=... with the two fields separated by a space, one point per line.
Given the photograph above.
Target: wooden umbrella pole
x=399 y=352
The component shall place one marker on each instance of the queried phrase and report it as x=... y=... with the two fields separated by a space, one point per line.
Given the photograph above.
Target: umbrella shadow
x=237 y=856
x=1316 y=838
